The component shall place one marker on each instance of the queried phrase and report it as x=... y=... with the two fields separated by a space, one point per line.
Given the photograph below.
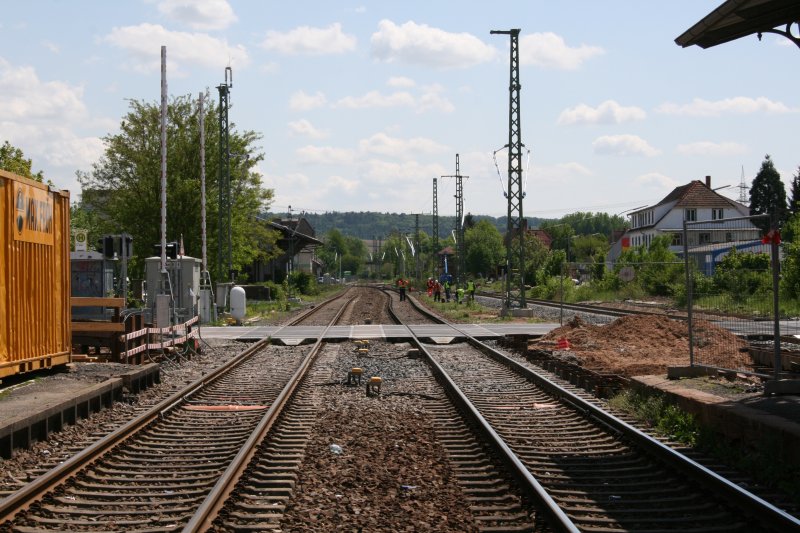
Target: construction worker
x=471 y=290
x=459 y=294
x=437 y=291
x=401 y=286
x=446 y=290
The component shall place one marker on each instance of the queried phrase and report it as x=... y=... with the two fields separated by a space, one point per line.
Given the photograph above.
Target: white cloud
x=199 y=14
x=310 y=41
x=409 y=172
x=422 y=45
x=325 y=155
x=739 y=105
x=55 y=146
x=708 y=148
x=53 y=47
x=656 y=180
x=400 y=81
x=339 y=183
x=623 y=145
x=548 y=50
x=190 y=48
x=26 y=98
x=374 y=99
x=608 y=112
x=304 y=128
x=382 y=144
x=301 y=101
x=432 y=100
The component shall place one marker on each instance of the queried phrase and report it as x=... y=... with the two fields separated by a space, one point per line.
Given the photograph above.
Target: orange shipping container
x=34 y=276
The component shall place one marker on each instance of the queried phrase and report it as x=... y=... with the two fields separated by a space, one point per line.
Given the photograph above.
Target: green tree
x=124 y=187
x=584 y=248
x=13 y=160
x=742 y=274
x=768 y=196
x=483 y=249
x=794 y=191
x=82 y=218
x=351 y=251
x=658 y=271
x=790 y=271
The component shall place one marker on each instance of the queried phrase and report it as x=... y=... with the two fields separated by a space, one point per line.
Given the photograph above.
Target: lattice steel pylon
x=516 y=221
x=459 y=225
x=224 y=244
x=435 y=228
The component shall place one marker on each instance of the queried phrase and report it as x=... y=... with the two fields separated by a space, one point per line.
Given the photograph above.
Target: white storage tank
x=238 y=303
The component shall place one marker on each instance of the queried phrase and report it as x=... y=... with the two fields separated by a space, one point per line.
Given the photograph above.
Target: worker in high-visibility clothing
x=471 y=290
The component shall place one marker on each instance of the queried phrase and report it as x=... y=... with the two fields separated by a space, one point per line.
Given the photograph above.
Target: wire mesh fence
x=732 y=294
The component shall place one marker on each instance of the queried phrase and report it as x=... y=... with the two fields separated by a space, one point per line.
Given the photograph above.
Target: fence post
x=689 y=289
x=776 y=267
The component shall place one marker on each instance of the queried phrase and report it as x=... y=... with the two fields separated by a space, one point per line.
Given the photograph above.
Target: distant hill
x=368 y=225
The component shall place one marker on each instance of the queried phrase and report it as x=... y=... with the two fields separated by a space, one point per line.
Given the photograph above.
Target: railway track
x=453 y=441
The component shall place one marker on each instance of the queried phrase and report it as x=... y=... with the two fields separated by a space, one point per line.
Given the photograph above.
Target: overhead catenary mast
x=435 y=229
x=459 y=225
x=516 y=222
x=224 y=255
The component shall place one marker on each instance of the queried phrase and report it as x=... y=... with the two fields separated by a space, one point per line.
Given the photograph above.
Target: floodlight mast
x=515 y=222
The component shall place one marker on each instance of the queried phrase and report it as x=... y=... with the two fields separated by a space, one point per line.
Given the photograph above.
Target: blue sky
x=360 y=104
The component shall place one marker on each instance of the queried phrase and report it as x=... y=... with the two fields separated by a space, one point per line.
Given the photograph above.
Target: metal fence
x=732 y=294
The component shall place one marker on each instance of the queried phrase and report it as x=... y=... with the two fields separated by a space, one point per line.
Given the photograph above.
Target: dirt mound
x=645 y=344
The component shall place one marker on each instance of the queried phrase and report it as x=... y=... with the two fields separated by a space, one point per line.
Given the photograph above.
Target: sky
x=361 y=104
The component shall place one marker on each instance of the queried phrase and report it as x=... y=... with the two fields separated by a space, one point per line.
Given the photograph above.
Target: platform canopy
x=739 y=18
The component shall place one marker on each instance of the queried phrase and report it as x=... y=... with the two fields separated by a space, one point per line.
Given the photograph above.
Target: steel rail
x=555 y=516
x=775 y=517
x=208 y=511
x=27 y=495
x=744 y=500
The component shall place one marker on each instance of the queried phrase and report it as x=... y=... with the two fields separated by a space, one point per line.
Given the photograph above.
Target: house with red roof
x=693 y=202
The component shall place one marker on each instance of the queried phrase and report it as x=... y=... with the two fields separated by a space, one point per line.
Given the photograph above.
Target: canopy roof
x=739 y=18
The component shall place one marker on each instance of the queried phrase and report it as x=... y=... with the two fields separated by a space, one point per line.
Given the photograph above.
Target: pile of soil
x=644 y=344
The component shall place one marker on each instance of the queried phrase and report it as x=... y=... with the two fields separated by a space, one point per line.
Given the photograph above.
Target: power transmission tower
x=743 y=189
x=436 y=227
x=225 y=232
x=516 y=221
x=459 y=222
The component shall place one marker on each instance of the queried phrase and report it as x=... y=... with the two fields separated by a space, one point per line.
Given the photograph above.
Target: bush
x=304 y=283
x=276 y=291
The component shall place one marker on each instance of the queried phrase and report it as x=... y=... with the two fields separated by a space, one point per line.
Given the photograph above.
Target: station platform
x=435 y=333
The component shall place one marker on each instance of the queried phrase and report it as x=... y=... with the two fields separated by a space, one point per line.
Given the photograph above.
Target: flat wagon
x=35 y=329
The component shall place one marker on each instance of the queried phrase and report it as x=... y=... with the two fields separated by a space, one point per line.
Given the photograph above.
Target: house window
x=728 y=236
x=690 y=215
x=717 y=214
x=705 y=238
x=677 y=239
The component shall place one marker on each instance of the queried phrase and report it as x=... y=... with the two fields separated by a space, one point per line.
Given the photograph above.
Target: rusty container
x=35 y=328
